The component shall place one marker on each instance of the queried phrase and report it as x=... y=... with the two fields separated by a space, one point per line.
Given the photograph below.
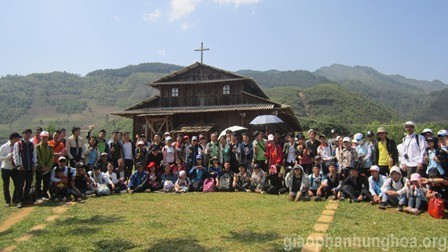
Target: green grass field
x=205 y=222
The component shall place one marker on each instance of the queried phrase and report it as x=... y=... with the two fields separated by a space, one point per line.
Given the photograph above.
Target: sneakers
x=383 y=205
x=407 y=209
x=414 y=211
x=342 y=198
x=318 y=198
x=19 y=205
x=7 y=205
x=400 y=207
x=248 y=190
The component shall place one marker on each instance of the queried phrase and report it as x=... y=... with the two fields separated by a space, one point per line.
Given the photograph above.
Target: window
x=175 y=92
x=226 y=89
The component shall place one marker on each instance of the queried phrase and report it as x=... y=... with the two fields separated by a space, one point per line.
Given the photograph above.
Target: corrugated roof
x=199 y=81
x=192 y=129
x=203 y=109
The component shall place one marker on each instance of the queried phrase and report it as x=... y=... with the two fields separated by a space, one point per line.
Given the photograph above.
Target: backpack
x=436 y=208
x=209 y=185
x=225 y=182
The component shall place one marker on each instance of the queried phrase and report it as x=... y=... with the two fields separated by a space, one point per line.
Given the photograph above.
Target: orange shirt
x=57 y=148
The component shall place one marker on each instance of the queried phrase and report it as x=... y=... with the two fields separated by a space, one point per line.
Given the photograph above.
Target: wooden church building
x=202 y=99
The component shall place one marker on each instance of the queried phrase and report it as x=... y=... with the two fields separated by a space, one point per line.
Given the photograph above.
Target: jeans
x=416 y=202
x=24 y=178
x=394 y=200
x=42 y=191
x=6 y=176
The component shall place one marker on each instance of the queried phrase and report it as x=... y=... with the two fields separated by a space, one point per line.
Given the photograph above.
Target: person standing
x=9 y=171
x=45 y=161
x=414 y=148
x=25 y=160
x=128 y=153
x=116 y=148
x=386 y=152
x=58 y=147
x=74 y=146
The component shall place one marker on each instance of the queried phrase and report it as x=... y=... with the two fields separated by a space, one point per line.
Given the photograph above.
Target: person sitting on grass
x=215 y=169
x=182 y=183
x=103 y=162
x=100 y=181
x=197 y=175
x=416 y=194
x=274 y=181
x=178 y=166
x=331 y=185
x=137 y=181
x=394 y=190
x=168 y=179
x=376 y=181
x=112 y=175
x=356 y=186
x=297 y=182
x=315 y=179
x=226 y=173
x=61 y=191
x=437 y=186
x=241 y=180
x=68 y=172
x=153 y=180
x=257 y=180
x=81 y=186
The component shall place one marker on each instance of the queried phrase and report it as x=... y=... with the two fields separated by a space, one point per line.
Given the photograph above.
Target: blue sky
x=395 y=37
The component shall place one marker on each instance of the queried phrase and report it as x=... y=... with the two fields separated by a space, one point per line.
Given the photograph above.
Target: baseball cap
x=374 y=168
x=62 y=158
x=346 y=139
x=44 y=134
x=141 y=143
x=182 y=173
x=194 y=138
x=270 y=137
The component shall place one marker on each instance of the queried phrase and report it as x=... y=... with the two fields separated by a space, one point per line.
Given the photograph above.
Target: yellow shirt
x=383 y=159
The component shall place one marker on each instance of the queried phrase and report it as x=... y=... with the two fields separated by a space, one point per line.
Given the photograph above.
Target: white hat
x=61 y=158
x=374 y=168
x=409 y=123
x=168 y=139
x=311 y=130
x=442 y=133
x=44 y=134
x=182 y=173
x=194 y=138
x=346 y=139
x=427 y=131
x=270 y=137
x=141 y=143
x=167 y=133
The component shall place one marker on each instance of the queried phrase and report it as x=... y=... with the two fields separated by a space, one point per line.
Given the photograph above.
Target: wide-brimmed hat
x=381 y=130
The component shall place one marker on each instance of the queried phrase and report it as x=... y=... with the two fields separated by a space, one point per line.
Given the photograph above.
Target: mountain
x=404 y=96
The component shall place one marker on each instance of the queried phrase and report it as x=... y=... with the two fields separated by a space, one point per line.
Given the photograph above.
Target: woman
x=91 y=152
x=169 y=152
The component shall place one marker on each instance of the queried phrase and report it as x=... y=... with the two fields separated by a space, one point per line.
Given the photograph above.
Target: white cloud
x=182 y=8
x=237 y=2
x=185 y=26
x=161 y=52
x=152 y=17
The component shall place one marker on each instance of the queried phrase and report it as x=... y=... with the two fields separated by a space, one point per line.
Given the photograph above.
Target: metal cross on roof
x=202 y=51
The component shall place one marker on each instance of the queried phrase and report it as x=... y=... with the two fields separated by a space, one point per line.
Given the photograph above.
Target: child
x=153 y=181
x=197 y=174
x=257 y=180
x=315 y=182
x=331 y=184
x=178 y=166
x=297 y=183
x=356 y=186
x=275 y=180
x=225 y=177
x=168 y=179
x=61 y=187
x=376 y=181
x=394 y=190
x=183 y=183
x=416 y=194
x=215 y=169
x=241 y=180
x=137 y=181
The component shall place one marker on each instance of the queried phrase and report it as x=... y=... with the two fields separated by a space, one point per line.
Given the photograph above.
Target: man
x=141 y=153
x=312 y=144
x=74 y=146
x=259 y=145
x=116 y=148
x=386 y=153
x=25 y=159
x=376 y=181
x=36 y=138
x=192 y=151
x=155 y=156
x=371 y=141
x=334 y=134
x=45 y=160
x=325 y=151
x=347 y=157
x=9 y=171
x=128 y=153
x=68 y=172
x=356 y=187
x=58 y=147
x=414 y=148
x=102 y=142
x=62 y=135
x=212 y=149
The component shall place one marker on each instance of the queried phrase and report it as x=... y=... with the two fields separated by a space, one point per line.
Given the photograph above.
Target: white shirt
x=6 y=156
x=291 y=158
x=66 y=171
x=112 y=177
x=127 y=150
x=325 y=153
x=411 y=148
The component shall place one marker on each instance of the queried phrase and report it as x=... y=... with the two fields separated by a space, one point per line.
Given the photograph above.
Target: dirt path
x=15 y=218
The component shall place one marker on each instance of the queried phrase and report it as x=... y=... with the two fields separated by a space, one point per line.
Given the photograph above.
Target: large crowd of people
x=366 y=166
